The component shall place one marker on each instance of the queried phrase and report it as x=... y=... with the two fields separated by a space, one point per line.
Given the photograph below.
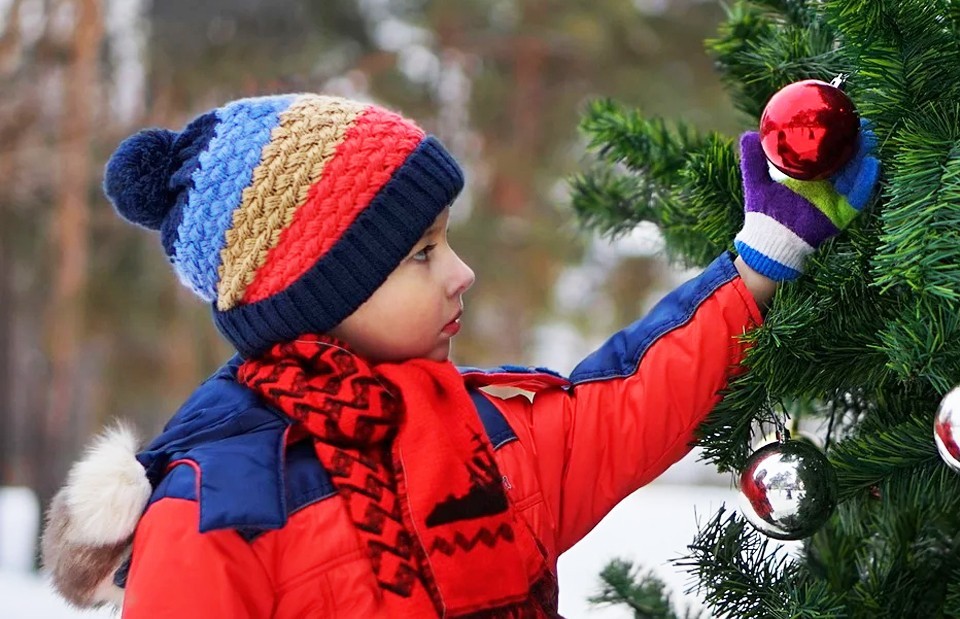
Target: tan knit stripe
x=301 y=145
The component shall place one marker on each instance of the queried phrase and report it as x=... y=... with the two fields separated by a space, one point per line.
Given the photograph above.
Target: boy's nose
x=463 y=277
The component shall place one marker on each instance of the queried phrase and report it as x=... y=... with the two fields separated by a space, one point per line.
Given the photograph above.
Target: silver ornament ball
x=788 y=489
x=946 y=429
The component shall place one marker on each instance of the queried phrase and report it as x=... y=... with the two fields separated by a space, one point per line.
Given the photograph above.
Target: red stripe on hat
x=371 y=150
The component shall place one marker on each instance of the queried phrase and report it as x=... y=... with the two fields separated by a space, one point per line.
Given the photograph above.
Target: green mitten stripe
x=823 y=196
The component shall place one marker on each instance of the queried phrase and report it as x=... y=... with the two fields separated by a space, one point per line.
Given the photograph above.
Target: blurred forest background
x=93 y=323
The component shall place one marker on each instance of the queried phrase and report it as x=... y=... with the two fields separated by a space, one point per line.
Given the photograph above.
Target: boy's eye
x=424 y=254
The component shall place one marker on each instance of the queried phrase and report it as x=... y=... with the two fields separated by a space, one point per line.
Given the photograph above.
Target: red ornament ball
x=809 y=130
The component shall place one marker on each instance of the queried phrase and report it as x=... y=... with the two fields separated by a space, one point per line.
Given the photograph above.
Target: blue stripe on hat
x=192 y=141
x=224 y=170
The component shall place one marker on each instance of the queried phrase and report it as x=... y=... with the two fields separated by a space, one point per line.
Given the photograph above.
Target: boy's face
x=416 y=312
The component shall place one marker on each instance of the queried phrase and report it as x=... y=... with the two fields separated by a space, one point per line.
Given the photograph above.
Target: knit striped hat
x=284 y=212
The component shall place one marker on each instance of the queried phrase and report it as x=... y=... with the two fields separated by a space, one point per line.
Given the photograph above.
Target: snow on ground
x=649 y=528
x=19 y=525
x=26 y=596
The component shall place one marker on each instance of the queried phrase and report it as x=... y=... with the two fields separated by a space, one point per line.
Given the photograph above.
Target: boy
x=340 y=465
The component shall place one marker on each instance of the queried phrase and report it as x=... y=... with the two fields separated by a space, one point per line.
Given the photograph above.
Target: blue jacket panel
x=620 y=355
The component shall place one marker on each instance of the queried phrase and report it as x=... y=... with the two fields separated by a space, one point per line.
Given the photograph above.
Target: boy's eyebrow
x=433 y=229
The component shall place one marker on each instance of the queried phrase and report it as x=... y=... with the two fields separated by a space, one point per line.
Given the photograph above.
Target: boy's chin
x=440 y=353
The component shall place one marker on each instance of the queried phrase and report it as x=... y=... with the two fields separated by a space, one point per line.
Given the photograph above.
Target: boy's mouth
x=453 y=327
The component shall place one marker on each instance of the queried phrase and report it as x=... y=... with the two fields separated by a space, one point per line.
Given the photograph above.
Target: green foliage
x=904 y=54
x=643 y=593
x=764 y=45
x=612 y=200
x=920 y=242
x=666 y=173
x=865 y=461
x=895 y=559
x=922 y=344
x=741 y=575
x=867 y=342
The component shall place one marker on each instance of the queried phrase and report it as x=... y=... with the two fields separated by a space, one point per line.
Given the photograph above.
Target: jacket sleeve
x=178 y=572
x=634 y=404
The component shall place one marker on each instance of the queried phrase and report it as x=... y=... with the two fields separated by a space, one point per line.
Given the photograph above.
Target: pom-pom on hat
x=284 y=212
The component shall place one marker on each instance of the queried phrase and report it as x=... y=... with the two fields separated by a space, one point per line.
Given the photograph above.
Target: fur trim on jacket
x=89 y=526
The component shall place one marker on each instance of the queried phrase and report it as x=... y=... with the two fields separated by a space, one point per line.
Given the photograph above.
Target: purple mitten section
x=764 y=195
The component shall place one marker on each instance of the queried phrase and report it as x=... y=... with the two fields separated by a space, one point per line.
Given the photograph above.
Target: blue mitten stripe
x=765 y=265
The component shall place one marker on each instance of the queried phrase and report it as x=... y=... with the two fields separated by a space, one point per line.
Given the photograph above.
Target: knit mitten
x=785 y=219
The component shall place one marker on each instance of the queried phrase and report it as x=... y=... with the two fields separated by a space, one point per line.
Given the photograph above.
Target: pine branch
x=763 y=46
x=951 y=602
x=639 y=163
x=867 y=460
x=903 y=57
x=665 y=173
x=893 y=405
x=742 y=576
x=923 y=344
x=924 y=197
x=910 y=542
x=651 y=146
x=890 y=549
x=644 y=593
x=792 y=12
x=611 y=202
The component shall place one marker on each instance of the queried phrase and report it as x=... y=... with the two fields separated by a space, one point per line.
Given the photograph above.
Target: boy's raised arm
x=638 y=399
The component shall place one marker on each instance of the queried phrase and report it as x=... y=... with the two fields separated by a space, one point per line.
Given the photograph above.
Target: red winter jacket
x=267 y=538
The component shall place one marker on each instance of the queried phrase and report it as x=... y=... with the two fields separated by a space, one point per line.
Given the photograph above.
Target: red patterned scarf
x=422 y=489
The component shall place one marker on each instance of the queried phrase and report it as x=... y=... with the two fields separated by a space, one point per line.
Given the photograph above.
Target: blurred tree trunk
x=13 y=124
x=6 y=319
x=183 y=349
x=514 y=177
x=11 y=129
x=70 y=246
x=515 y=151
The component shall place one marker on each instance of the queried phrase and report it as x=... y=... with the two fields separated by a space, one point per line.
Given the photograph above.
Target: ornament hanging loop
x=780 y=418
x=839 y=80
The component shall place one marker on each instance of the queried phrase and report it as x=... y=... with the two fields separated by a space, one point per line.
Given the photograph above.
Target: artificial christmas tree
x=867 y=341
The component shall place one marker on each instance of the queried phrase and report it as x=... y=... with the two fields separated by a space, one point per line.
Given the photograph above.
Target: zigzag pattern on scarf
x=460 y=541
x=344 y=414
